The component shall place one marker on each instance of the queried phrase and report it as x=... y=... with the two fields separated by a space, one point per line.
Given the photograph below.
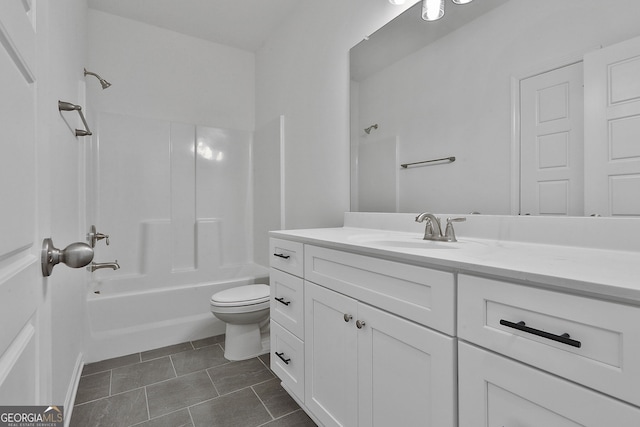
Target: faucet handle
x=449 y=233
x=93 y=237
x=100 y=236
x=461 y=219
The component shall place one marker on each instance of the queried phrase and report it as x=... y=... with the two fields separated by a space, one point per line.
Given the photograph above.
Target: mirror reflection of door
x=612 y=130
x=551 y=142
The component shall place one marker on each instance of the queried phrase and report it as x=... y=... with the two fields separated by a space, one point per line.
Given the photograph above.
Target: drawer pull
x=281 y=300
x=521 y=326
x=281 y=356
x=282 y=256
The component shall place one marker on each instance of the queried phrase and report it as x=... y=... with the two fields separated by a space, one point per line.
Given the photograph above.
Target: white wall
x=302 y=72
x=453 y=97
x=165 y=75
x=60 y=159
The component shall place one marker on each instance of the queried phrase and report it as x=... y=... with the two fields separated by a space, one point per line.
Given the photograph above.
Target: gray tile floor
x=184 y=385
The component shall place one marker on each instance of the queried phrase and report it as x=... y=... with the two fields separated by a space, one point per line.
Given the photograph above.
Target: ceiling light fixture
x=432 y=10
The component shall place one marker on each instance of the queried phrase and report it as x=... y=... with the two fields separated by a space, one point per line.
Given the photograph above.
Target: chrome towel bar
x=67 y=106
x=449 y=159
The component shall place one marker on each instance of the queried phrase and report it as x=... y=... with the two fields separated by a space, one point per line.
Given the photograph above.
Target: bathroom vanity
x=371 y=325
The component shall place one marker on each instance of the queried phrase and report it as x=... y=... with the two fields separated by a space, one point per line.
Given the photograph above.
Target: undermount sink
x=398 y=240
x=417 y=244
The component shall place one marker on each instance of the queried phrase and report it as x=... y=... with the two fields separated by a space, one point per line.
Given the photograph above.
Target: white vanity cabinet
x=363 y=336
x=367 y=365
x=287 y=314
x=559 y=355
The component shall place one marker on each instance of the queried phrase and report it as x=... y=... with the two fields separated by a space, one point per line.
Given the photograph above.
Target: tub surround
x=160 y=305
x=522 y=319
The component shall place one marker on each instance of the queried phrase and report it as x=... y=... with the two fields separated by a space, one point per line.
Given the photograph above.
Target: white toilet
x=245 y=310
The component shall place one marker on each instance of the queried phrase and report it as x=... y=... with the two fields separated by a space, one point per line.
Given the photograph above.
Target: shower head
x=368 y=130
x=105 y=84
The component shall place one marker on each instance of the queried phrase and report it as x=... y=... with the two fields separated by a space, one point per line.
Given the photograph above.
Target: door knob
x=360 y=324
x=76 y=255
x=347 y=317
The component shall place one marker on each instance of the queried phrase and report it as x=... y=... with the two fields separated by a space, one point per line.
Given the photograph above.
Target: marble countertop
x=606 y=273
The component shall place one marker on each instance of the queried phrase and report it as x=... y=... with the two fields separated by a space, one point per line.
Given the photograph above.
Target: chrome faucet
x=433 y=229
x=98 y=265
x=432 y=224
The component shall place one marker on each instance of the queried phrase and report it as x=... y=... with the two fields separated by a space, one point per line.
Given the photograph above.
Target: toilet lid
x=242 y=295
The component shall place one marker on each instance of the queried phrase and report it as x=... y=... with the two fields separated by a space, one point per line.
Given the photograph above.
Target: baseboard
x=70 y=398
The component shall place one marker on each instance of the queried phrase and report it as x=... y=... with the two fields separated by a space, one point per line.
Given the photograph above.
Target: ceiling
x=408 y=33
x=243 y=24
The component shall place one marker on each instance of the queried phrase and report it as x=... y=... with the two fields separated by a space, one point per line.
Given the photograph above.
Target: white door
x=330 y=356
x=551 y=142
x=406 y=372
x=612 y=130
x=23 y=317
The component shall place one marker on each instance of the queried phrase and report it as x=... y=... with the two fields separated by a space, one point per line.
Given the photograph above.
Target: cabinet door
x=330 y=356
x=496 y=392
x=406 y=372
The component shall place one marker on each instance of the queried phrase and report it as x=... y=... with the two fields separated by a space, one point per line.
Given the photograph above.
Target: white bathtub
x=132 y=314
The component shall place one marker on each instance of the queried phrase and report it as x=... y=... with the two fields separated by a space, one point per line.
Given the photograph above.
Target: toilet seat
x=253 y=297
x=245 y=310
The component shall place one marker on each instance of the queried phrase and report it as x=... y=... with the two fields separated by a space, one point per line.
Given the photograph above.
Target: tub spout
x=98 y=265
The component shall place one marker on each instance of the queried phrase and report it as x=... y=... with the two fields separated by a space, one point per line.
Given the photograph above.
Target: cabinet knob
x=360 y=324
x=347 y=317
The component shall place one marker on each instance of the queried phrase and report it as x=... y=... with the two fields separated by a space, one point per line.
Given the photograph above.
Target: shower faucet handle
x=93 y=237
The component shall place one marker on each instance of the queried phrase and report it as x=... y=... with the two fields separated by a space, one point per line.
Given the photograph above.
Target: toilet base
x=245 y=342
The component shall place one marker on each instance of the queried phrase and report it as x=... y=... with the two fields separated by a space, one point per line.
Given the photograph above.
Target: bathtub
x=133 y=314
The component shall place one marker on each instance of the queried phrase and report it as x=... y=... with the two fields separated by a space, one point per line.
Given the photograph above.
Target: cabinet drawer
x=496 y=391
x=420 y=294
x=287 y=301
x=287 y=256
x=287 y=359
x=601 y=348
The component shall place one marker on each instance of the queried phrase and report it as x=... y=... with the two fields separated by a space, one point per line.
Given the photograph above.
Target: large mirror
x=465 y=93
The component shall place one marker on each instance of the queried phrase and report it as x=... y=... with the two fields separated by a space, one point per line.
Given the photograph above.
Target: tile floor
x=184 y=385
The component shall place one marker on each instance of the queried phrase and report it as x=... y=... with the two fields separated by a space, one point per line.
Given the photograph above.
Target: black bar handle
x=280 y=355
x=282 y=256
x=281 y=300
x=521 y=326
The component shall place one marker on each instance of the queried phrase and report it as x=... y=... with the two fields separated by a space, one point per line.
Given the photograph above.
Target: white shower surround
x=176 y=201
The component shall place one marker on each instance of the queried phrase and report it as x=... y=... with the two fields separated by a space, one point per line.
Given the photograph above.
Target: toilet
x=245 y=310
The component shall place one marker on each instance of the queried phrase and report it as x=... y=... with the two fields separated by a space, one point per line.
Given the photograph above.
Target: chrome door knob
x=360 y=324
x=347 y=317
x=75 y=255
